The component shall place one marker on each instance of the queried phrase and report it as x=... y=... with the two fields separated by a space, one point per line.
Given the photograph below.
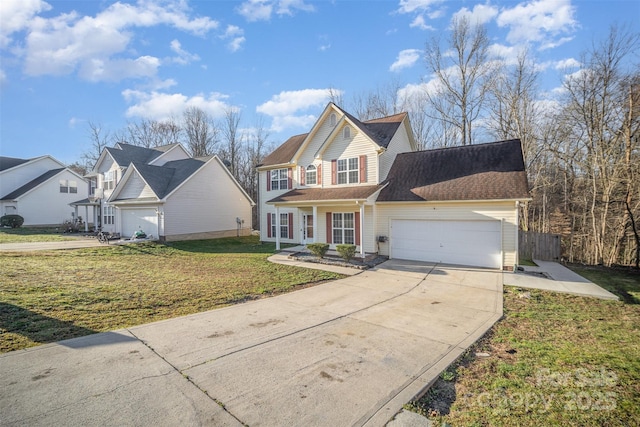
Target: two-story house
x=363 y=183
x=39 y=189
x=166 y=193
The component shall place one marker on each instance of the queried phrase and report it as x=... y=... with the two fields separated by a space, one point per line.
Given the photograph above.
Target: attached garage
x=473 y=243
x=145 y=219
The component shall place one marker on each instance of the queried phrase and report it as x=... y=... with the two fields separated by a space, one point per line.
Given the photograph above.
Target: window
x=348 y=171
x=332 y=119
x=109 y=217
x=67 y=186
x=284 y=225
x=343 y=227
x=311 y=175
x=92 y=188
x=109 y=180
x=279 y=179
x=346 y=132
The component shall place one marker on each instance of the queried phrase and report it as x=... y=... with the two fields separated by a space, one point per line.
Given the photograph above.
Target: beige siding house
x=364 y=183
x=165 y=193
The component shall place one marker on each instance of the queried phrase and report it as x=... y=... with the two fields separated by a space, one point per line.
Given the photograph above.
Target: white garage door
x=139 y=219
x=474 y=243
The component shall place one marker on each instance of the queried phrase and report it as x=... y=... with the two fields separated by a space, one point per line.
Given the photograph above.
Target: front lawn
x=50 y=296
x=554 y=359
x=32 y=234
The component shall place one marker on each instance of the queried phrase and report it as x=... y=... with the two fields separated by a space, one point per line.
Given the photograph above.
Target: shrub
x=13 y=221
x=318 y=249
x=346 y=251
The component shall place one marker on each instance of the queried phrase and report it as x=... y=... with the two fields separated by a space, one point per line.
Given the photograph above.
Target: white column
x=362 y=230
x=277 y=228
x=315 y=224
x=86 y=218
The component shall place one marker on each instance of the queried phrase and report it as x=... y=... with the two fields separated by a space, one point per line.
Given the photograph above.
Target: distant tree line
x=581 y=147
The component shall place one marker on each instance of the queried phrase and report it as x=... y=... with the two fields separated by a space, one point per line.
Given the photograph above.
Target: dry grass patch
x=49 y=296
x=554 y=359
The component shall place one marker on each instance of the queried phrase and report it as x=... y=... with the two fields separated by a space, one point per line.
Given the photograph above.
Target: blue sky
x=64 y=63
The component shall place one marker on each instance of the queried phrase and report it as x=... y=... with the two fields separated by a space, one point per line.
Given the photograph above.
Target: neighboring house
x=363 y=183
x=39 y=190
x=167 y=194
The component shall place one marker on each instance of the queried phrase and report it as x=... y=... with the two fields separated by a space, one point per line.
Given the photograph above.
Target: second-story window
x=64 y=188
x=348 y=171
x=311 y=177
x=279 y=179
x=109 y=180
x=67 y=186
x=346 y=132
x=92 y=187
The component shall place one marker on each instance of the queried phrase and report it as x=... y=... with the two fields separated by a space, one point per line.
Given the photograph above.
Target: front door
x=307 y=229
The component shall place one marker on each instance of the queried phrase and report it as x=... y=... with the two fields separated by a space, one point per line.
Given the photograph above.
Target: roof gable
x=7 y=163
x=32 y=184
x=285 y=152
x=492 y=171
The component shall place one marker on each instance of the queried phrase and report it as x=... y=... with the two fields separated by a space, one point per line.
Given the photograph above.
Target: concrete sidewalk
x=348 y=352
x=559 y=279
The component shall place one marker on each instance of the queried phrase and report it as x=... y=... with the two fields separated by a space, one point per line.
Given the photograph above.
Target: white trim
x=31 y=161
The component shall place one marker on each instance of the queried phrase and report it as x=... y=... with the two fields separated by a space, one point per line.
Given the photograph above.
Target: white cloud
x=406 y=59
x=419 y=91
x=162 y=106
x=480 y=14
x=567 y=63
x=286 y=108
x=69 y=42
x=324 y=47
x=541 y=21
x=410 y=6
x=261 y=10
x=3 y=77
x=509 y=54
x=236 y=36
x=15 y=15
x=419 y=22
x=183 y=57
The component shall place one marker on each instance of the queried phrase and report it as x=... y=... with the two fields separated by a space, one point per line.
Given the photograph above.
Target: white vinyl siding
x=208 y=201
x=175 y=153
x=398 y=144
x=16 y=177
x=464 y=211
x=359 y=145
x=134 y=188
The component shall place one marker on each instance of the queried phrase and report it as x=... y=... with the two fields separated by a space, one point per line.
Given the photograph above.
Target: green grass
x=527 y=262
x=554 y=359
x=32 y=234
x=622 y=281
x=54 y=295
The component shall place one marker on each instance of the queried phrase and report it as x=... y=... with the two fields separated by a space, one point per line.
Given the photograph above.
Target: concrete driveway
x=349 y=352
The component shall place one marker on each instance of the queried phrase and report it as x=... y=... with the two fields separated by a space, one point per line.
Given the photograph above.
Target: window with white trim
x=311 y=177
x=109 y=215
x=68 y=186
x=280 y=179
x=348 y=171
x=284 y=226
x=346 y=132
x=92 y=187
x=273 y=224
x=343 y=228
x=109 y=180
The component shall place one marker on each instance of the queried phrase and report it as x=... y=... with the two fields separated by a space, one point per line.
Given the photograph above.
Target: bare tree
x=201 y=134
x=99 y=139
x=463 y=74
x=232 y=141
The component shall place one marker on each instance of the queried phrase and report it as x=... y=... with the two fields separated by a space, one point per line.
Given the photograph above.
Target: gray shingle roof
x=10 y=162
x=493 y=171
x=124 y=154
x=32 y=184
x=166 y=178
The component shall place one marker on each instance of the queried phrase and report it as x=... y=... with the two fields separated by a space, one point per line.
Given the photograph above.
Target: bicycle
x=103 y=237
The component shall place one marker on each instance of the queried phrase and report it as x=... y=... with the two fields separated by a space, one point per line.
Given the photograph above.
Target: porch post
x=315 y=223
x=277 y=228
x=86 y=218
x=362 y=230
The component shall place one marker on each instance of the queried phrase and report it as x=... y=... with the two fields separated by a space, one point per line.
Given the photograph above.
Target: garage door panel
x=139 y=219
x=476 y=243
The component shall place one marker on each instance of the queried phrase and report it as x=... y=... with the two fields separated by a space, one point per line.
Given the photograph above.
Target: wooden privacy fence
x=542 y=246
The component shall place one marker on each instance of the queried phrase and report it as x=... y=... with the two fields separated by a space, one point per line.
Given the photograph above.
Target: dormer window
x=311 y=175
x=332 y=119
x=346 y=132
